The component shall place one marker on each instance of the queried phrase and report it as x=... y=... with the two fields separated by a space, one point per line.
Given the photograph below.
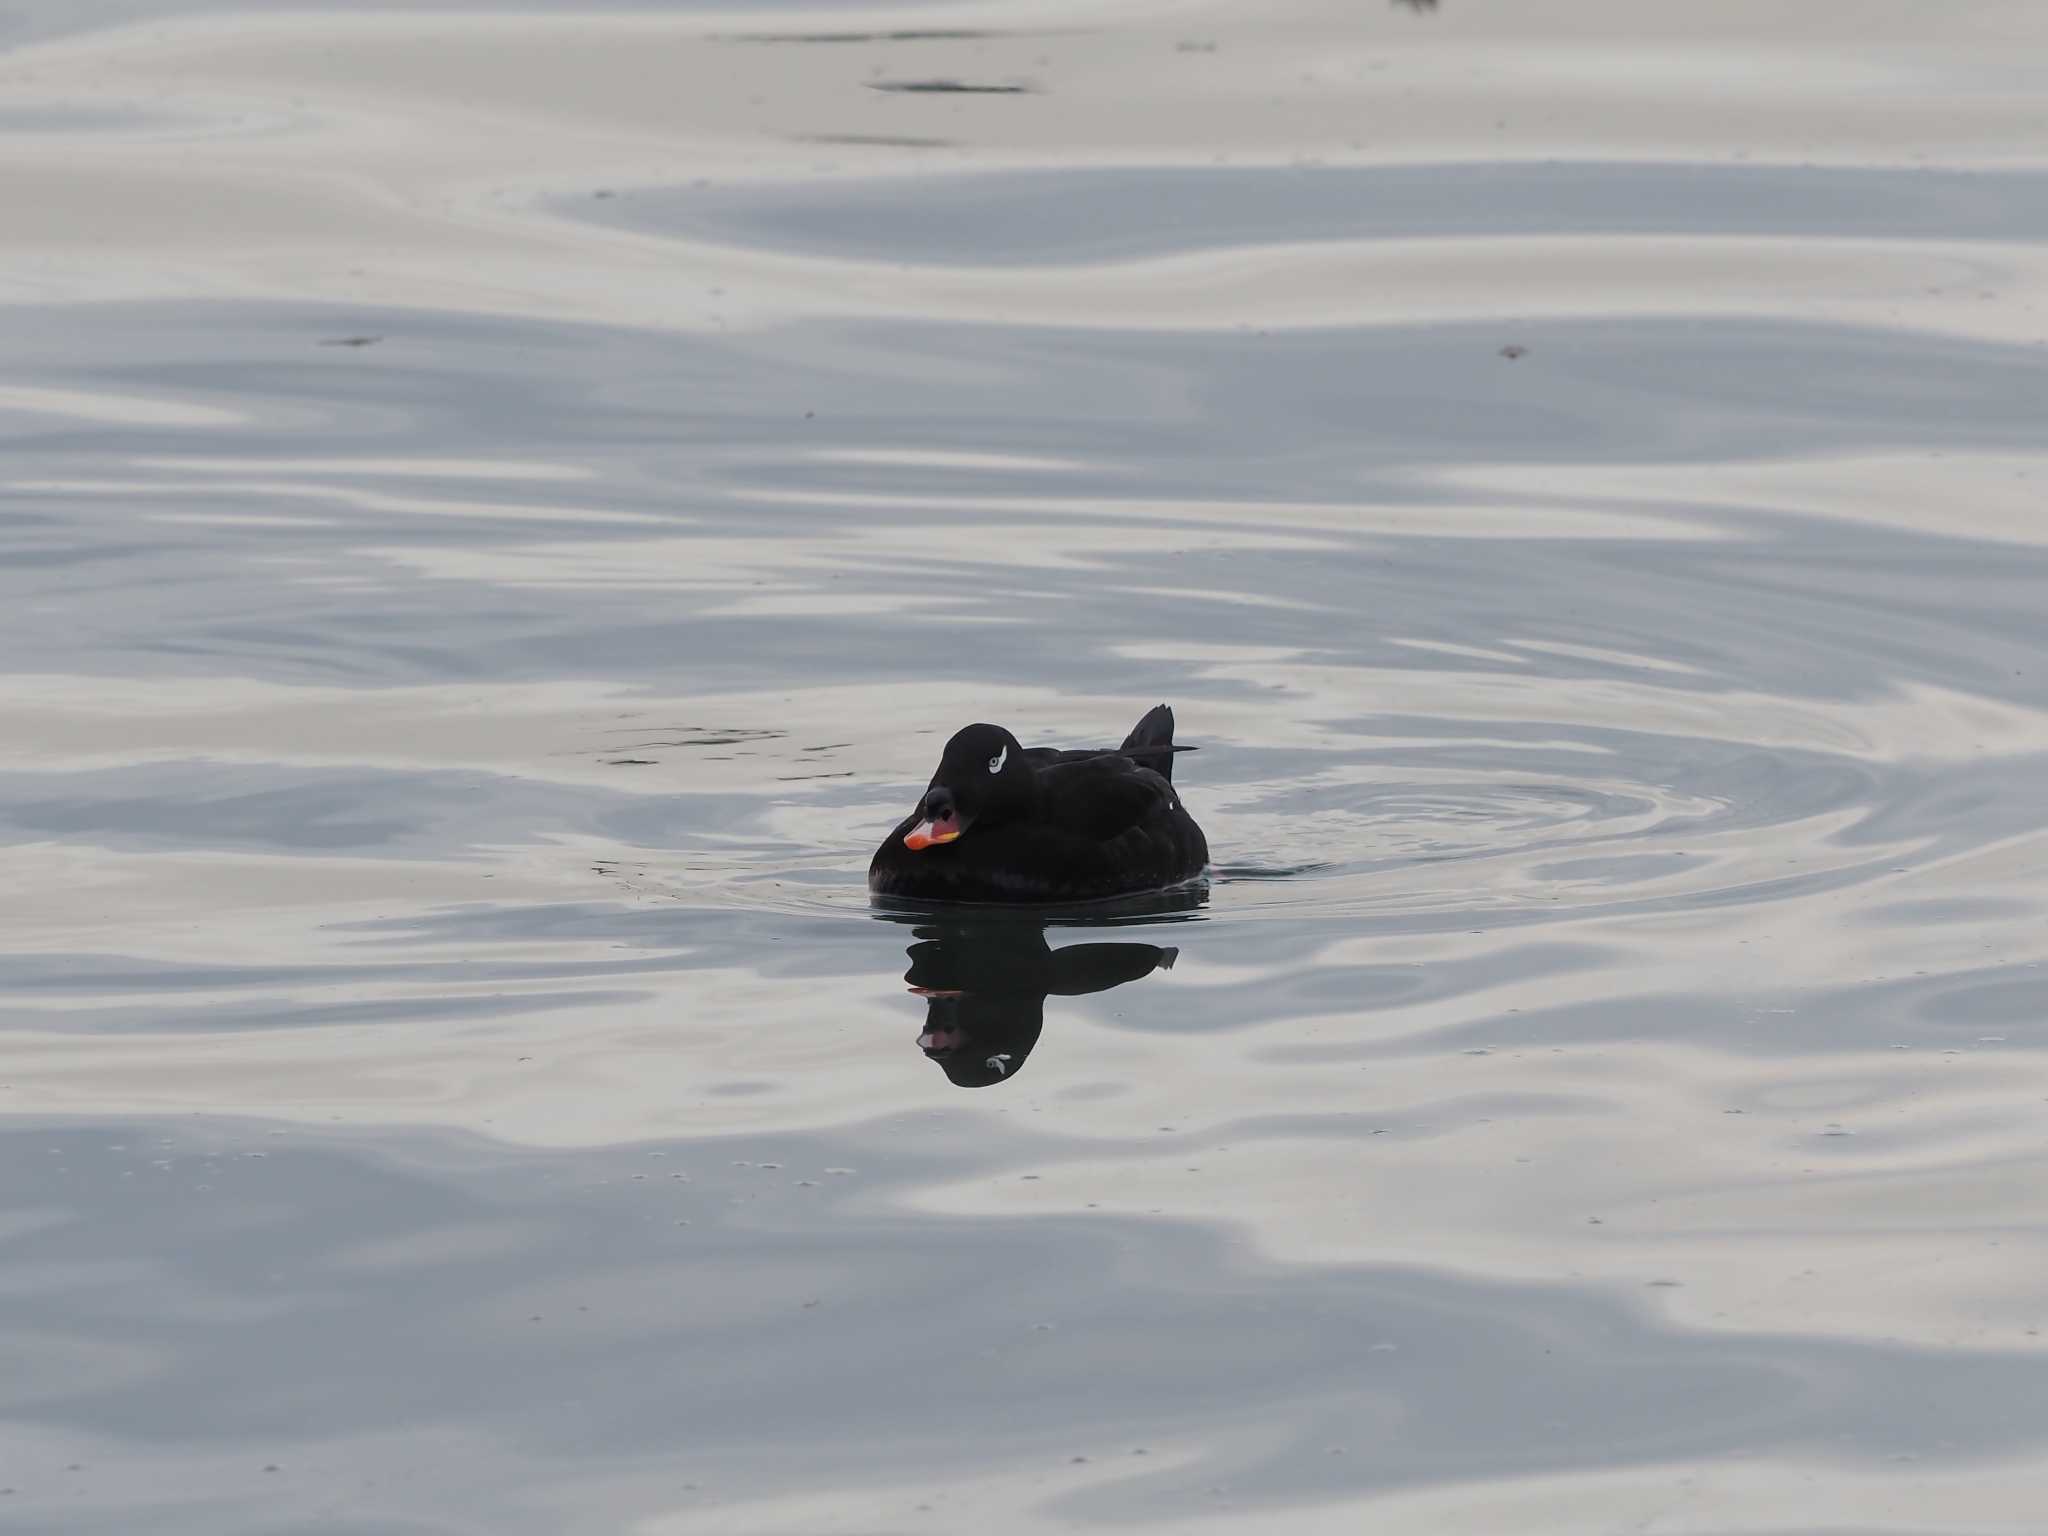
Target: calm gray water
x=502 y=506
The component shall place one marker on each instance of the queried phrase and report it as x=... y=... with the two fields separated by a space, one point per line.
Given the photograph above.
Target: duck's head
x=982 y=778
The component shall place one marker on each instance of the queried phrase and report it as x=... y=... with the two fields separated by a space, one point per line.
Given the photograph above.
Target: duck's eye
x=995 y=764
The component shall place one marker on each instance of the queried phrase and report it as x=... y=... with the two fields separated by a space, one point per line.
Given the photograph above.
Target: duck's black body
x=1005 y=823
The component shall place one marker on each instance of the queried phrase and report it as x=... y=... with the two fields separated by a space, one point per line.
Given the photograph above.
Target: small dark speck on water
x=901 y=35
x=630 y=762
x=351 y=341
x=948 y=88
x=1511 y=352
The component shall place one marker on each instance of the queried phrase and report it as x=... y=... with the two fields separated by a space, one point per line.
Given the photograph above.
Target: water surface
x=502 y=509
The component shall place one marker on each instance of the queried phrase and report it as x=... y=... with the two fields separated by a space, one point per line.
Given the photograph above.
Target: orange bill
x=927 y=834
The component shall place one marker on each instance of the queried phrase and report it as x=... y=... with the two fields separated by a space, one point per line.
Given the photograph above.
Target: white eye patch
x=995 y=764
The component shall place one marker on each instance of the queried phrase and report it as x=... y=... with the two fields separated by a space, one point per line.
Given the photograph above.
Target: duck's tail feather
x=1151 y=741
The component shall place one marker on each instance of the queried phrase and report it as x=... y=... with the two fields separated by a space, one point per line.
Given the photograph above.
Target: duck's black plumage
x=1005 y=823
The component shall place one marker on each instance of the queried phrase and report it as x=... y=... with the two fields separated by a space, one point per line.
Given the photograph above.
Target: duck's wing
x=1101 y=796
x=1149 y=745
x=1159 y=758
x=1042 y=758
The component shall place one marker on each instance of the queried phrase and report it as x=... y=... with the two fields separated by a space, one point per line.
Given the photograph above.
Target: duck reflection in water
x=985 y=986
